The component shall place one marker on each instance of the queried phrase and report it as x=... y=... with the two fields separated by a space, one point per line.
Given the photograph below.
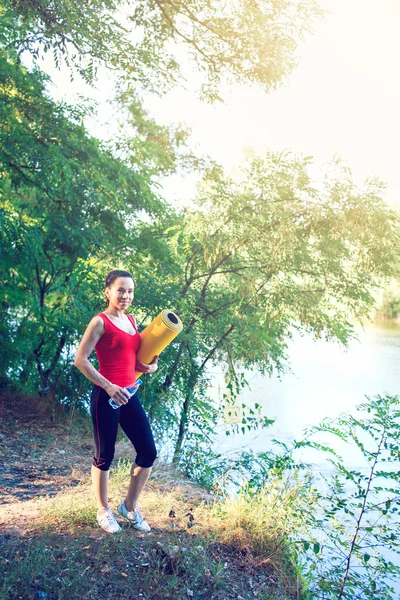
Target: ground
x=51 y=547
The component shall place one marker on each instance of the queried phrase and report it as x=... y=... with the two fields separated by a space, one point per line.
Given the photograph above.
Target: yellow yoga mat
x=156 y=337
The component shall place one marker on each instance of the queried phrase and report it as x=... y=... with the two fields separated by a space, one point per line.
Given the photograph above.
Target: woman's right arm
x=93 y=333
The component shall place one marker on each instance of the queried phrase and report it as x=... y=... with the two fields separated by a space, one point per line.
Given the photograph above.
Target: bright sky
x=344 y=98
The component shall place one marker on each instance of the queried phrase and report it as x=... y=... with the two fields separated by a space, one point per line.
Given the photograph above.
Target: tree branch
x=358 y=526
x=182 y=35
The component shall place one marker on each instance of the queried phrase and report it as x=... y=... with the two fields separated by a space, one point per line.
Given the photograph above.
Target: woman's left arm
x=143 y=368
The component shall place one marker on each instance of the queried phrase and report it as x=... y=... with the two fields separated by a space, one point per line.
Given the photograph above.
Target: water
x=326 y=380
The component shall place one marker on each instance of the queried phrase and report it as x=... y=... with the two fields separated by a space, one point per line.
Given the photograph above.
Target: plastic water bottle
x=132 y=389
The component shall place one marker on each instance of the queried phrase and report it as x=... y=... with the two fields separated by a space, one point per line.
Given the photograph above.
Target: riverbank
x=200 y=546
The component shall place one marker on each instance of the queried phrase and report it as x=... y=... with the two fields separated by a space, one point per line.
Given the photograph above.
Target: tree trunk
x=183 y=428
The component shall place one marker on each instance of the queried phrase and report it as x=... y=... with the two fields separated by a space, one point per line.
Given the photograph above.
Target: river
x=325 y=381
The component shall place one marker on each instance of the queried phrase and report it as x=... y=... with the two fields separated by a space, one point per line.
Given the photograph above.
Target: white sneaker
x=134 y=517
x=108 y=522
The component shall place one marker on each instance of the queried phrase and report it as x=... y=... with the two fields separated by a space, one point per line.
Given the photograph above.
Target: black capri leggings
x=133 y=421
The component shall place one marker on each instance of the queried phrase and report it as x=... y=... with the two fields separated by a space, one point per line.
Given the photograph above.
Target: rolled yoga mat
x=156 y=337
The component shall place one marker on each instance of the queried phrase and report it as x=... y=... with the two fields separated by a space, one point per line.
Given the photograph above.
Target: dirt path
x=37 y=461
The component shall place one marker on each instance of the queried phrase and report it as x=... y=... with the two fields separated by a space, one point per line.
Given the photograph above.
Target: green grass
x=237 y=547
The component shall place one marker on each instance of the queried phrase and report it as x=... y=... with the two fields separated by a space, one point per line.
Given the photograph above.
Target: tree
x=68 y=200
x=249 y=41
x=258 y=258
x=65 y=202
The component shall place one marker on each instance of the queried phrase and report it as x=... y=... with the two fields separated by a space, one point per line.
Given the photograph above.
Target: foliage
x=247 y=263
x=70 y=202
x=388 y=307
x=354 y=544
x=65 y=200
x=148 y=42
x=252 y=260
x=344 y=520
x=149 y=148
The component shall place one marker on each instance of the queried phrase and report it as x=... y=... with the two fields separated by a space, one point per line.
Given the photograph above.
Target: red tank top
x=116 y=352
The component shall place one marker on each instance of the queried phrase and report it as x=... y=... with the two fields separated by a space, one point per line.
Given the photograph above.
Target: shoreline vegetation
x=278 y=538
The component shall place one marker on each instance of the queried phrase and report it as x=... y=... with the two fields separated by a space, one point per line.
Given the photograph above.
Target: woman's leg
x=135 y=424
x=100 y=488
x=105 y=426
x=139 y=477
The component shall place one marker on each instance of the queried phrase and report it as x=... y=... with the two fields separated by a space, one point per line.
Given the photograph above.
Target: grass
x=200 y=546
x=205 y=549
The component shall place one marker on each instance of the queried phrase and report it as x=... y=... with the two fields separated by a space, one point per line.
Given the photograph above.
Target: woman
x=114 y=336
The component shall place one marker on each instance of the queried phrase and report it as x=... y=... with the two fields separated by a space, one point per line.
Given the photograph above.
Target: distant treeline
x=388 y=305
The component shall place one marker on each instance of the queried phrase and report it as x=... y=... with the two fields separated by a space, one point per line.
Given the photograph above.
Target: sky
x=343 y=99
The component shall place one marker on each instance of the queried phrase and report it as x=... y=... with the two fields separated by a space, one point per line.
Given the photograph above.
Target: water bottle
x=132 y=389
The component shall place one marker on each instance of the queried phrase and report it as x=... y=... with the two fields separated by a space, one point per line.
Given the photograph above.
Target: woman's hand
x=143 y=368
x=118 y=394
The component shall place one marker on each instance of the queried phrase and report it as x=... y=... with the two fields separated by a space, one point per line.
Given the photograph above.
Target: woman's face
x=120 y=293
